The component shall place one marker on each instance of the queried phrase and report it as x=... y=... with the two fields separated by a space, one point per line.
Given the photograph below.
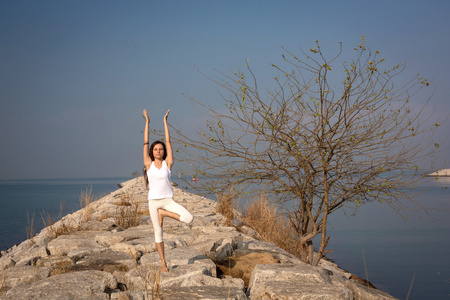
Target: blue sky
x=75 y=75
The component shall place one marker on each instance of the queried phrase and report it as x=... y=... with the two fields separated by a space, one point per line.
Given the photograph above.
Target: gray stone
x=23 y=275
x=63 y=244
x=144 y=245
x=184 y=275
x=78 y=285
x=249 y=231
x=42 y=240
x=146 y=276
x=361 y=292
x=54 y=260
x=95 y=225
x=32 y=255
x=237 y=223
x=128 y=249
x=106 y=260
x=298 y=291
x=203 y=292
x=181 y=257
x=78 y=254
x=6 y=262
x=257 y=246
x=111 y=238
x=225 y=248
x=294 y=281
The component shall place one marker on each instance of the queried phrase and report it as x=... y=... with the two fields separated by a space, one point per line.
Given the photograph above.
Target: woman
x=158 y=162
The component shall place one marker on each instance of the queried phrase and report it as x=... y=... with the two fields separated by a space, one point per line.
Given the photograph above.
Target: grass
x=272 y=226
x=128 y=212
x=152 y=283
x=86 y=198
x=56 y=229
x=152 y=279
x=411 y=285
x=128 y=215
x=227 y=206
x=30 y=228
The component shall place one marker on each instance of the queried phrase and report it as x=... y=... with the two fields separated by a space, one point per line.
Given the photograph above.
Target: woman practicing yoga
x=158 y=162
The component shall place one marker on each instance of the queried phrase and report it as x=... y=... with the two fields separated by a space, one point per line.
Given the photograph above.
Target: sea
x=406 y=256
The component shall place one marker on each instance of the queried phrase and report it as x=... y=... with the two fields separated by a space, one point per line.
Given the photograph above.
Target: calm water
x=379 y=245
x=20 y=199
x=376 y=239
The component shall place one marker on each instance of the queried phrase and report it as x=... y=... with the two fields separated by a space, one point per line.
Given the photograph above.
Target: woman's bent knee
x=187 y=218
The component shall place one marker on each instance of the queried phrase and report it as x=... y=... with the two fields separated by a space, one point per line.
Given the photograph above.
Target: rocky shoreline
x=107 y=251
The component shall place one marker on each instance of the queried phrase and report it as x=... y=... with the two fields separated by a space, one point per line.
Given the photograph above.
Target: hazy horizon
x=76 y=75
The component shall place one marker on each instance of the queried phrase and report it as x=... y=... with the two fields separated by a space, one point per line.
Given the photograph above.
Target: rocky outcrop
x=107 y=251
x=440 y=173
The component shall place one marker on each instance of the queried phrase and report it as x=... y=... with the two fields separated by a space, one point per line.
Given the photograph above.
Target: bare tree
x=314 y=143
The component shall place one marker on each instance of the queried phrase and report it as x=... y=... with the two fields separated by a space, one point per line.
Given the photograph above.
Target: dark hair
x=150 y=153
x=153 y=146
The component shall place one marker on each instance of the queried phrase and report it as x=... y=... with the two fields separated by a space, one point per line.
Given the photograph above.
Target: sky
x=75 y=75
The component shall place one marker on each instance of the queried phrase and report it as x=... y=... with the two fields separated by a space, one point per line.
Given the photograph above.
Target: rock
x=63 y=244
x=32 y=255
x=54 y=260
x=181 y=257
x=6 y=263
x=123 y=297
x=443 y=173
x=294 y=281
x=249 y=231
x=237 y=223
x=95 y=225
x=23 y=275
x=203 y=292
x=41 y=240
x=361 y=292
x=128 y=249
x=262 y=246
x=77 y=285
x=106 y=260
x=242 y=266
x=225 y=249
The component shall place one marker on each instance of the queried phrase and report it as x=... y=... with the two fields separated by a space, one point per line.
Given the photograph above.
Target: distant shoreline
x=440 y=173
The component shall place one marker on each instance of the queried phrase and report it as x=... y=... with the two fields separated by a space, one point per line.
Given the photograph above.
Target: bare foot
x=164 y=267
x=161 y=217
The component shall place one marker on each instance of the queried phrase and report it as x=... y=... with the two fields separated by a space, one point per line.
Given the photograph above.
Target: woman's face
x=158 y=151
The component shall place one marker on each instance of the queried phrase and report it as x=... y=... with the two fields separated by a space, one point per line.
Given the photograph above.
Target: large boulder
x=63 y=244
x=77 y=285
x=294 y=281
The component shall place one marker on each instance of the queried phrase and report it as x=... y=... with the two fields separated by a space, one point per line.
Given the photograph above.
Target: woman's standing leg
x=153 y=206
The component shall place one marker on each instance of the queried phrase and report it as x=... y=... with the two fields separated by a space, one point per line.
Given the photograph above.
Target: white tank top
x=159 y=182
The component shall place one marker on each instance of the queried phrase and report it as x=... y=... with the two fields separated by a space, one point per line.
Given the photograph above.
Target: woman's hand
x=147 y=119
x=167 y=114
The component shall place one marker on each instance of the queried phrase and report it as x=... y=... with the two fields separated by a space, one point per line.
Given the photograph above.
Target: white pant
x=170 y=205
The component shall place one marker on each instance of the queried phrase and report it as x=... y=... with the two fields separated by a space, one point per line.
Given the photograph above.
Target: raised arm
x=147 y=159
x=169 y=158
